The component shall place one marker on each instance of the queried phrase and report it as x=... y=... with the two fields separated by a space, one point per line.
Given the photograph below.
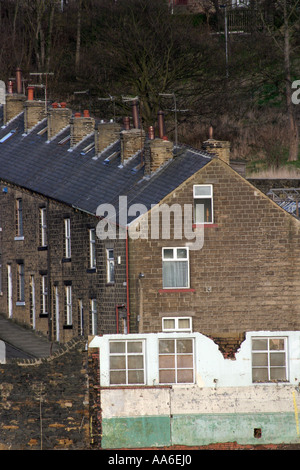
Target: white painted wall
x=212 y=369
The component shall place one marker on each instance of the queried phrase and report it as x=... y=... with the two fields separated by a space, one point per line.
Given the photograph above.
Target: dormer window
x=203 y=203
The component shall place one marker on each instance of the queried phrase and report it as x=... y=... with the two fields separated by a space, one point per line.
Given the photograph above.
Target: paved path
x=23 y=342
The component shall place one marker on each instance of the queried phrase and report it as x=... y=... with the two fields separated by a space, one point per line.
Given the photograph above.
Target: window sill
x=66 y=260
x=109 y=284
x=19 y=238
x=205 y=225
x=42 y=248
x=20 y=303
x=163 y=291
x=67 y=327
x=43 y=315
x=91 y=270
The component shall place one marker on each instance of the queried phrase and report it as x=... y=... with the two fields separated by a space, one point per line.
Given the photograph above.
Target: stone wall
x=44 y=403
x=246 y=275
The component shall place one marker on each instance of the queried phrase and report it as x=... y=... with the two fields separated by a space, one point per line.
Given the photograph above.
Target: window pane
x=117 y=377
x=169 y=324
x=260 y=375
x=260 y=359
x=276 y=344
x=136 y=377
x=182 y=253
x=117 y=347
x=203 y=211
x=166 y=362
x=175 y=274
x=166 y=346
x=277 y=359
x=117 y=362
x=185 y=361
x=184 y=346
x=167 y=376
x=134 y=346
x=135 y=362
x=184 y=323
x=168 y=253
x=202 y=190
x=260 y=344
x=277 y=373
x=185 y=376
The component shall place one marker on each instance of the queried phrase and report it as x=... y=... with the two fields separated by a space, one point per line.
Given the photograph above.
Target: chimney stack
x=218 y=148
x=106 y=134
x=14 y=104
x=58 y=117
x=35 y=110
x=132 y=140
x=157 y=150
x=81 y=127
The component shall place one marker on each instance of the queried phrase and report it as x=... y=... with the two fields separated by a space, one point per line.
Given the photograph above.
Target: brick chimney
x=14 y=103
x=218 y=148
x=81 y=127
x=132 y=140
x=35 y=110
x=59 y=117
x=105 y=134
x=157 y=150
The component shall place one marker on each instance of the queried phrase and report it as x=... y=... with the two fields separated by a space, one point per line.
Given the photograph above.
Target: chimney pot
x=161 y=124
x=63 y=105
x=54 y=105
x=19 y=80
x=210 y=132
x=126 y=122
x=151 y=133
x=30 y=90
x=135 y=115
x=10 y=87
x=77 y=115
x=86 y=113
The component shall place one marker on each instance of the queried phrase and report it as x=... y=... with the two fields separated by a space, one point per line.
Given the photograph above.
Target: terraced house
x=184 y=273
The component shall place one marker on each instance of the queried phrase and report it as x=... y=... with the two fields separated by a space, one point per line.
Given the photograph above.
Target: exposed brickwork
x=44 y=404
x=95 y=421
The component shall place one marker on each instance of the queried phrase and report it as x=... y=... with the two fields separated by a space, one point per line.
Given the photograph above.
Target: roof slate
x=83 y=180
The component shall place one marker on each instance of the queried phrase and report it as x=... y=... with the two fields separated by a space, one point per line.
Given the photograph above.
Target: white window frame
x=19 y=219
x=67 y=223
x=270 y=352
x=176 y=324
x=176 y=355
x=44 y=296
x=68 y=300
x=92 y=239
x=94 y=316
x=199 y=198
x=43 y=226
x=109 y=262
x=127 y=356
x=21 y=284
x=176 y=259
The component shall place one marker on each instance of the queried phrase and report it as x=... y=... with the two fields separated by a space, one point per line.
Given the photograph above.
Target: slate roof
x=83 y=180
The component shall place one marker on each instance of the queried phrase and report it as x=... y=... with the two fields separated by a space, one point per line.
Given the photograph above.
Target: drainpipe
x=127 y=279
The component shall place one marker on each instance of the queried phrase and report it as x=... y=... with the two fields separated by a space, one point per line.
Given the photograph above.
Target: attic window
x=203 y=203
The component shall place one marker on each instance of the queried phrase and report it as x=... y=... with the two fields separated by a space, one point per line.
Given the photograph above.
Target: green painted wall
x=199 y=429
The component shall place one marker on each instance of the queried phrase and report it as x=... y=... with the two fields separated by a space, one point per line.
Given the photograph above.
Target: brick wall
x=44 y=404
x=245 y=277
